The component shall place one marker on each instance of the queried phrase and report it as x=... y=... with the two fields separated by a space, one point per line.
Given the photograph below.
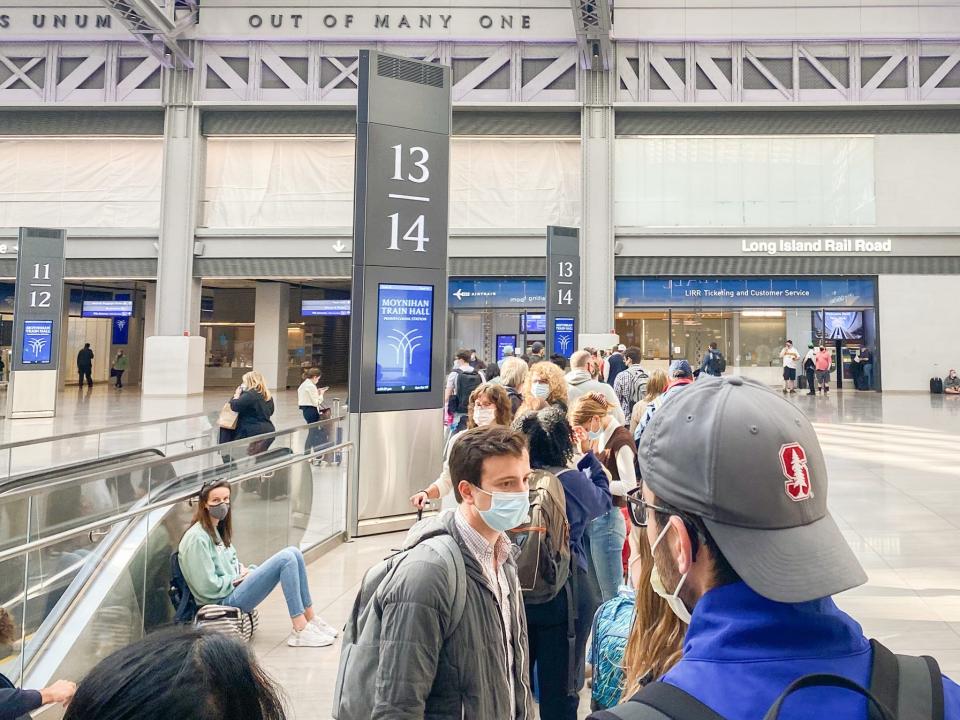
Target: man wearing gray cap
x=734 y=502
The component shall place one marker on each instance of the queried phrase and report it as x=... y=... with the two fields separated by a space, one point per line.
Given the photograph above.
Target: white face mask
x=483 y=416
x=673 y=599
x=540 y=390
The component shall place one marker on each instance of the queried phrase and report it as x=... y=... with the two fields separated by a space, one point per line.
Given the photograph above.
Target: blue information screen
x=324 y=308
x=504 y=342
x=838 y=324
x=563 y=336
x=404 y=338
x=533 y=323
x=37 y=342
x=107 y=308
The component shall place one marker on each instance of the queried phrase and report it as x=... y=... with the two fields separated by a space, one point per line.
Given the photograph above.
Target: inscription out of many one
x=388 y=20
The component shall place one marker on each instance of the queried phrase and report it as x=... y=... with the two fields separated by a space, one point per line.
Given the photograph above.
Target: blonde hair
x=255 y=381
x=513 y=371
x=655 y=643
x=656 y=385
x=545 y=372
x=587 y=407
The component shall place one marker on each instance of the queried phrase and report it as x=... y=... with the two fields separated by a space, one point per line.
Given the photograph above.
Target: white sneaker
x=323 y=626
x=309 y=637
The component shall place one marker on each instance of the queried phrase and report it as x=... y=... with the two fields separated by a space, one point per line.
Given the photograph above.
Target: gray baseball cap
x=748 y=462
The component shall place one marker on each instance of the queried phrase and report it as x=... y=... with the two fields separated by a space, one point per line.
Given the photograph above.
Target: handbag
x=227 y=619
x=228 y=417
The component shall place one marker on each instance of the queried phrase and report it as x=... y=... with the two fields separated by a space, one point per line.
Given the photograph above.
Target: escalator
x=96 y=578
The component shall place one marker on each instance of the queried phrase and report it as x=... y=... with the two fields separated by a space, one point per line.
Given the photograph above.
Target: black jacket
x=17 y=703
x=85 y=359
x=253 y=414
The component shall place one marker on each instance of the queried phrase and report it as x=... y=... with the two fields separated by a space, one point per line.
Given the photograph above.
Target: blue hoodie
x=742 y=650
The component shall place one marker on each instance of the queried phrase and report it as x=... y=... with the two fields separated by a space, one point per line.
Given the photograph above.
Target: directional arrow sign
x=338 y=246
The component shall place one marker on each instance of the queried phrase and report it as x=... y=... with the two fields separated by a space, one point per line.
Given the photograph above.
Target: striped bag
x=226 y=619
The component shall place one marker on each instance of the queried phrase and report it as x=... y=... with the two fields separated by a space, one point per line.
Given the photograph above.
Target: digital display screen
x=37 y=342
x=324 y=308
x=563 y=336
x=404 y=338
x=107 y=308
x=838 y=324
x=504 y=342
x=533 y=323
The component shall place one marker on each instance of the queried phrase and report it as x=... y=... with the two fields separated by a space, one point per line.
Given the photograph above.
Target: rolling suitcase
x=936 y=386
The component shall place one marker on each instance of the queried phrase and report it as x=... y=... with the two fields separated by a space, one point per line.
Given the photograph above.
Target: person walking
x=254 y=406
x=85 y=365
x=790 y=358
x=823 y=362
x=810 y=368
x=461 y=383
x=120 y=365
x=310 y=402
x=866 y=362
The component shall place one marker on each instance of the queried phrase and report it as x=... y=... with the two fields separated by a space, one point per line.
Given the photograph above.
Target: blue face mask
x=507 y=511
x=540 y=390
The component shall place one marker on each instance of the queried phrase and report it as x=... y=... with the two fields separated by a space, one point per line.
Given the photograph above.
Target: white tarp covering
x=81 y=182
x=308 y=182
x=744 y=181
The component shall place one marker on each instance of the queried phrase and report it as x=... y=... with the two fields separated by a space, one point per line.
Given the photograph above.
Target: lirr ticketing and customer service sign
x=401 y=203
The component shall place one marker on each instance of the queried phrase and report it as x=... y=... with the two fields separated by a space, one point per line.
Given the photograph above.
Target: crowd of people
x=663 y=537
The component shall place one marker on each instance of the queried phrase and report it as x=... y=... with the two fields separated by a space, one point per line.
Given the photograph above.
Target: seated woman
x=951 y=383
x=212 y=570
x=489 y=405
x=637 y=638
x=178 y=673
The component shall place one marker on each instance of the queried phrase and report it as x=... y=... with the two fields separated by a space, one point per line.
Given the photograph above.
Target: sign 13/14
x=409 y=165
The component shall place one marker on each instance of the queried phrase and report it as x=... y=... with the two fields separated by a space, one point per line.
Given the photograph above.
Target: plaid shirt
x=492 y=559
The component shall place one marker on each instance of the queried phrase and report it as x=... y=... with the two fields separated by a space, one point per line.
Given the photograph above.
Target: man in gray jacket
x=580 y=382
x=476 y=666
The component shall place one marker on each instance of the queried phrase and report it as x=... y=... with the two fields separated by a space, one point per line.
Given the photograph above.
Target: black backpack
x=901 y=686
x=936 y=386
x=184 y=604
x=719 y=362
x=466 y=383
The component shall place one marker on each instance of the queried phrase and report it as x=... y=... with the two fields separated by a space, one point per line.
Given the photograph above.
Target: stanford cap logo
x=793 y=462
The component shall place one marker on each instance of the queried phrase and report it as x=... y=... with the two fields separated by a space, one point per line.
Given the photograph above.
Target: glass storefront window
x=762 y=335
x=229 y=352
x=650 y=331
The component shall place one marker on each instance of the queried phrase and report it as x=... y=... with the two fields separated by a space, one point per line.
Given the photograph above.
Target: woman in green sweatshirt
x=120 y=365
x=216 y=577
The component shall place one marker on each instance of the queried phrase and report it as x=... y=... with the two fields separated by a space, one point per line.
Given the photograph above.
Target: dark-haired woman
x=587 y=493
x=489 y=405
x=178 y=673
x=213 y=571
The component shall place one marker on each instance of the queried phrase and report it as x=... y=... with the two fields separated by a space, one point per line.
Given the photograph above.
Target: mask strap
x=660 y=537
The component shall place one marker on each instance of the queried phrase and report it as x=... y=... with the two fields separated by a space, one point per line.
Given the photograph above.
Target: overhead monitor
x=504 y=342
x=563 y=336
x=324 y=308
x=838 y=324
x=404 y=338
x=37 y=342
x=533 y=323
x=107 y=308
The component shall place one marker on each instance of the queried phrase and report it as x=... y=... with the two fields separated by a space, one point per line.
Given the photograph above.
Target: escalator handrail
x=225 y=447
x=103 y=430
x=42 y=543
x=52 y=477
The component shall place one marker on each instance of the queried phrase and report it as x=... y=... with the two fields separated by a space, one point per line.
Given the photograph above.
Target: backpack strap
x=911 y=687
x=448 y=549
x=660 y=701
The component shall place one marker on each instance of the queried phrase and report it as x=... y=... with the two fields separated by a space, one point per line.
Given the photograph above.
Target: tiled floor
x=894 y=488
